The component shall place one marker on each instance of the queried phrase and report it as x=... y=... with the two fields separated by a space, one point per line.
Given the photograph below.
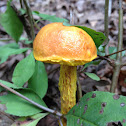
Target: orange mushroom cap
x=66 y=45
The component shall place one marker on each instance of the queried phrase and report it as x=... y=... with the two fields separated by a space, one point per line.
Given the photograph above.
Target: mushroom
x=68 y=46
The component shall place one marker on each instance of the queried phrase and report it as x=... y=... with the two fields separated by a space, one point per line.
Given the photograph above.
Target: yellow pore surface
x=68 y=45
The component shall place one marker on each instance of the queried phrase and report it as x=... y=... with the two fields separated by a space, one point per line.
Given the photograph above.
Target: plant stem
x=79 y=89
x=36 y=25
x=71 y=16
x=106 y=22
x=29 y=100
x=6 y=39
x=119 y=55
x=110 y=8
x=30 y=19
x=115 y=53
x=7 y=115
x=111 y=62
x=21 y=4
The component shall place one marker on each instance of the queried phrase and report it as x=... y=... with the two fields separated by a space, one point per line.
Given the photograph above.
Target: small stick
x=60 y=122
x=71 y=16
x=6 y=39
x=110 y=8
x=119 y=55
x=106 y=22
x=79 y=88
x=30 y=18
x=111 y=62
x=7 y=115
x=34 y=103
x=114 y=53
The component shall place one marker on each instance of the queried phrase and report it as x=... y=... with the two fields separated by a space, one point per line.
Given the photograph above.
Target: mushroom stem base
x=67 y=87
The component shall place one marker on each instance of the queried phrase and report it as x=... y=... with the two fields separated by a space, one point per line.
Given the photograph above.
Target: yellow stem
x=67 y=87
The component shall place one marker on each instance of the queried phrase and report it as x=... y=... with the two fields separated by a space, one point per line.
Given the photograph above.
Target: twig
x=6 y=39
x=7 y=115
x=36 y=25
x=119 y=55
x=79 y=92
x=21 y=4
x=110 y=8
x=30 y=18
x=114 y=53
x=34 y=103
x=71 y=16
x=60 y=122
x=106 y=22
x=111 y=62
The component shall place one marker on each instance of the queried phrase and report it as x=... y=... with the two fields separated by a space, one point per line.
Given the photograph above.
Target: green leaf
x=92 y=76
x=49 y=17
x=66 y=24
x=8 y=84
x=112 y=50
x=10 y=45
x=24 y=70
x=11 y=23
x=23 y=39
x=100 y=53
x=9 y=50
x=39 y=80
x=101 y=48
x=90 y=63
x=29 y=121
x=17 y=106
x=98 y=109
x=22 y=11
x=28 y=42
x=123 y=53
x=98 y=37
